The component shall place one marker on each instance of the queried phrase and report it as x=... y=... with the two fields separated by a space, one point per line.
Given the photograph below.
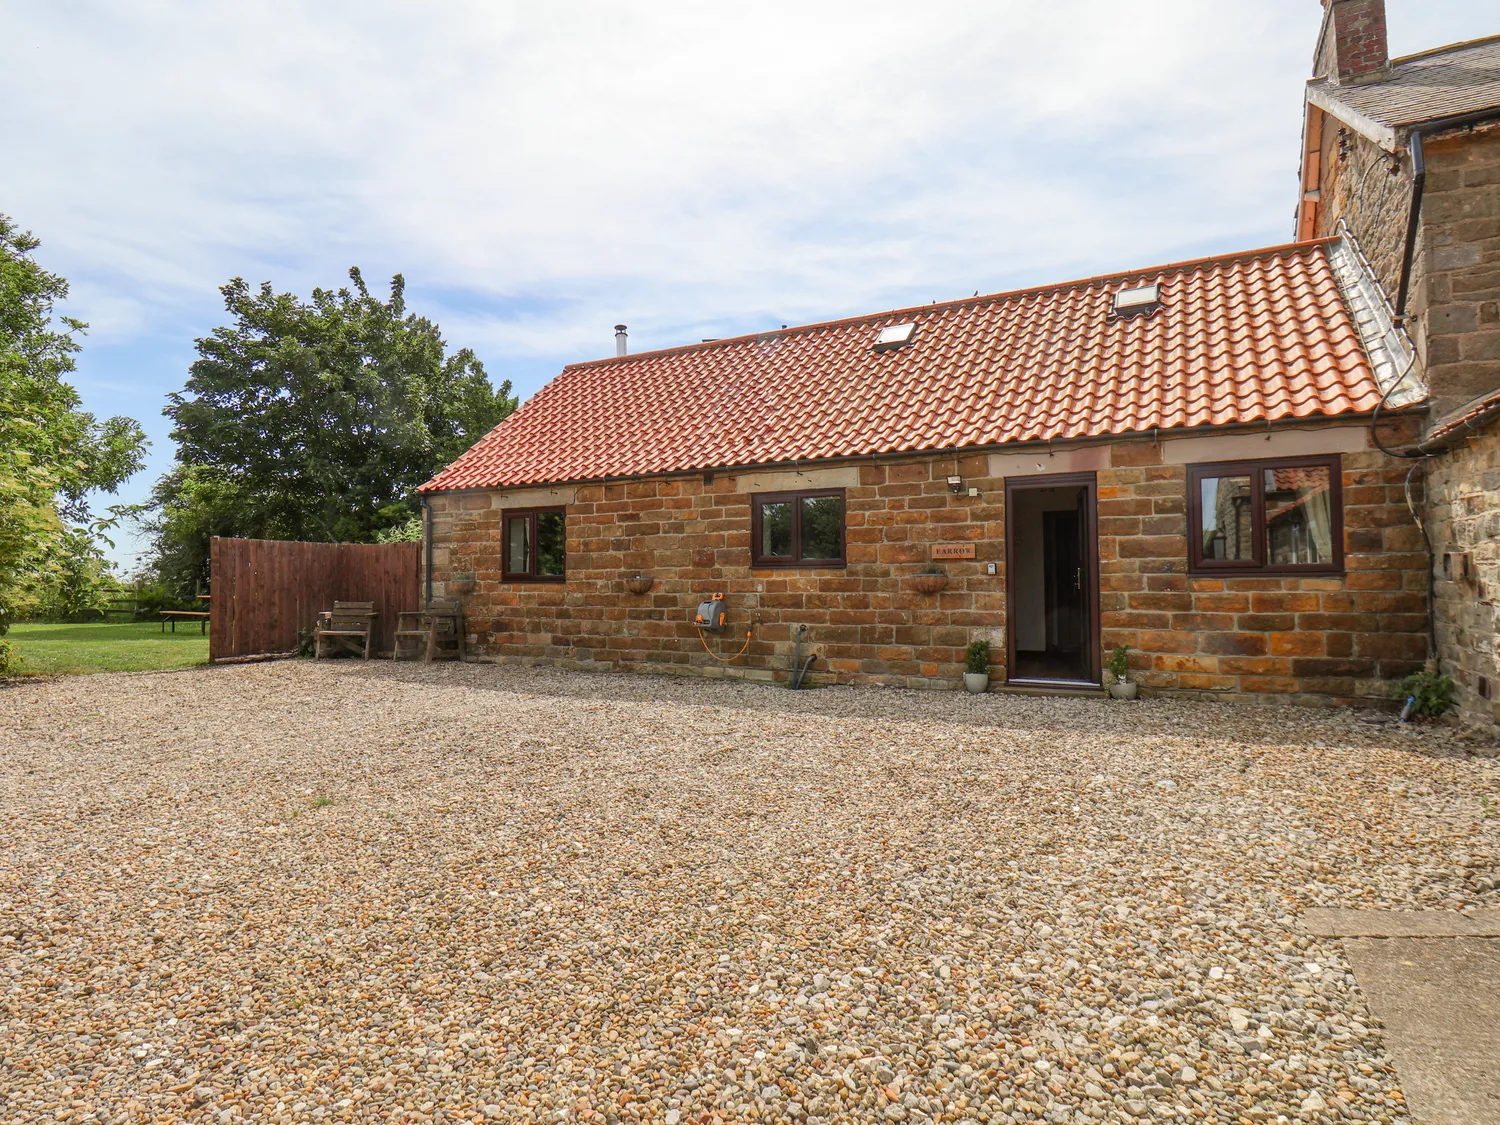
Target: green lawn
x=51 y=650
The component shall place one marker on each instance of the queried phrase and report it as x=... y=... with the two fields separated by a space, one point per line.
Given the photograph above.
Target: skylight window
x=1141 y=299
x=894 y=335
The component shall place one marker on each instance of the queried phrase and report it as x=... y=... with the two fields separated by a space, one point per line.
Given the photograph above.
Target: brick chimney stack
x=1352 y=46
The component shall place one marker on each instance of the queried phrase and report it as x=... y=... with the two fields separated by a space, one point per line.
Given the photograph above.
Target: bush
x=1430 y=692
x=153 y=597
x=10 y=662
x=978 y=660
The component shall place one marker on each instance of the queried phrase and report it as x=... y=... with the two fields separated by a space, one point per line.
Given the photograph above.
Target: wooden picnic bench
x=441 y=622
x=176 y=615
x=347 y=624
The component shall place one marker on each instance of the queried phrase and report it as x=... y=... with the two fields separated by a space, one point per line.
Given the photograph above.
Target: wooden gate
x=264 y=591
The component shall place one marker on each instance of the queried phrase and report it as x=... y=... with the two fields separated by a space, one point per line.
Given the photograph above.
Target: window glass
x=550 y=543
x=1228 y=518
x=518 y=545
x=1299 y=515
x=776 y=528
x=822 y=527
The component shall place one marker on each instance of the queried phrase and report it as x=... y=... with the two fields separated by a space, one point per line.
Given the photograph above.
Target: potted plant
x=639 y=583
x=462 y=582
x=1117 y=666
x=929 y=580
x=977 y=667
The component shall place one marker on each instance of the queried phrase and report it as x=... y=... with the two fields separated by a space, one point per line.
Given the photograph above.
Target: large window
x=797 y=528
x=1266 y=517
x=534 y=545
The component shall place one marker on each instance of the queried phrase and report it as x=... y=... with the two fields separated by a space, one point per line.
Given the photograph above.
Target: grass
x=72 y=650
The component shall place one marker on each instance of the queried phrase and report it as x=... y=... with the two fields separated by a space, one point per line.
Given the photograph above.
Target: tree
x=52 y=454
x=313 y=420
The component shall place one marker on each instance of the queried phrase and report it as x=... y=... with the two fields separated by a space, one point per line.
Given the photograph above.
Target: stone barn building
x=1273 y=475
x=1175 y=459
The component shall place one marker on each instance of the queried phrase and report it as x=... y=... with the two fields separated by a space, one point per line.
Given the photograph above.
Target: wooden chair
x=432 y=629
x=348 y=624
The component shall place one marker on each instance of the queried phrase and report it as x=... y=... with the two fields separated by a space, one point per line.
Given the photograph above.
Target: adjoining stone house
x=1403 y=156
x=1180 y=459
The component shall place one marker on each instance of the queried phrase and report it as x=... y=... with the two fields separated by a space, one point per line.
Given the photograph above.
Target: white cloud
x=540 y=171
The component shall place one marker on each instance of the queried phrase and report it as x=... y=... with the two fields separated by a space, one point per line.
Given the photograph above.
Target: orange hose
x=749 y=636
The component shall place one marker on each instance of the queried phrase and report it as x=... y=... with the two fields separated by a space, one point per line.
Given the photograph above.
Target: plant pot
x=639 y=583
x=929 y=583
x=1123 y=691
x=976 y=683
x=461 y=586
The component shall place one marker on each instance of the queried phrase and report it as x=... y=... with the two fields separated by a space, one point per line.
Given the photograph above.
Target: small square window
x=797 y=528
x=535 y=545
x=1266 y=517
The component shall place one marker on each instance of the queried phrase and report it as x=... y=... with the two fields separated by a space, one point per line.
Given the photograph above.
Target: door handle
x=1078 y=579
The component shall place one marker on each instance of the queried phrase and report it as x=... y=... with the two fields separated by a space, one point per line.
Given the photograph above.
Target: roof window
x=1136 y=301
x=894 y=335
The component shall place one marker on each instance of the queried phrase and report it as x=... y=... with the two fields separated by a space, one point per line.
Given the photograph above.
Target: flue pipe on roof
x=620 y=340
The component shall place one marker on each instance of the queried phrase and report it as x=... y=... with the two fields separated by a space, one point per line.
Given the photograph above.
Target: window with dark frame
x=797 y=528
x=1266 y=517
x=535 y=545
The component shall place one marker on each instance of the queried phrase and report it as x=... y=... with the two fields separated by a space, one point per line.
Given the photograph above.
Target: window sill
x=804 y=564
x=527 y=579
x=1266 y=572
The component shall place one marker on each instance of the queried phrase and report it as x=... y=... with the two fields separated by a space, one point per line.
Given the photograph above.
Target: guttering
x=1418 y=185
x=426 y=502
x=1261 y=426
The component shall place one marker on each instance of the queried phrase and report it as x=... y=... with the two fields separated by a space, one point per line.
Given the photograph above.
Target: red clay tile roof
x=1466 y=419
x=1258 y=336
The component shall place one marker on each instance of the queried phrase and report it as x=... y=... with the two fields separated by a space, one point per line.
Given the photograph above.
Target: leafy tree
x=313 y=420
x=52 y=454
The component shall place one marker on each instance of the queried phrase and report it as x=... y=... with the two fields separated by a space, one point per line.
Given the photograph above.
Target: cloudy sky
x=539 y=172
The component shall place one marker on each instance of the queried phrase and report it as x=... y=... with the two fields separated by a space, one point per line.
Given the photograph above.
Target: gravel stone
x=339 y=891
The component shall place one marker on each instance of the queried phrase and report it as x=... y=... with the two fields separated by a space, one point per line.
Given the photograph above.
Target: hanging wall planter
x=639 y=583
x=929 y=582
x=462 y=584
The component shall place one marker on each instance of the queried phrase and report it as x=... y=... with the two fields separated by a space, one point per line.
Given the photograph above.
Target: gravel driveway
x=342 y=891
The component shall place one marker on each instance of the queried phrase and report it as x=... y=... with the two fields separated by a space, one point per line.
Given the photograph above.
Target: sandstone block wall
x=1325 y=639
x=1458 y=302
x=1312 y=640
x=1464 y=491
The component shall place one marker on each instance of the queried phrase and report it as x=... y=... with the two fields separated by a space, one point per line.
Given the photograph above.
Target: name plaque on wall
x=953 y=550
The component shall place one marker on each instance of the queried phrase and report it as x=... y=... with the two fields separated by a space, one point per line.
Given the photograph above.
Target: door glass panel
x=550 y=543
x=518 y=545
x=1228 y=515
x=1299 y=515
x=822 y=527
x=776 y=529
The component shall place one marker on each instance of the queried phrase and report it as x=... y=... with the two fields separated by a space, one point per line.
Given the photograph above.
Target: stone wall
x=1337 y=638
x=1454 y=303
x=1301 y=639
x=1370 y=189
x=1457 y=303
x=1464 y=493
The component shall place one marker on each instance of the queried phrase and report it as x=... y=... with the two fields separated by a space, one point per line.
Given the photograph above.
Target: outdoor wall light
x=955 y=485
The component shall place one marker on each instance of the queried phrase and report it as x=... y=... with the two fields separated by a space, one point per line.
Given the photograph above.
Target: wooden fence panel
x=264 y=591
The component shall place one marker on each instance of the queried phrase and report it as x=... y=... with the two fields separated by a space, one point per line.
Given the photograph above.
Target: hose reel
x=711 y=619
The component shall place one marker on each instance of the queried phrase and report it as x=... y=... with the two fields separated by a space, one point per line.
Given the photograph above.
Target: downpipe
x=800 y=666
x=427 y=547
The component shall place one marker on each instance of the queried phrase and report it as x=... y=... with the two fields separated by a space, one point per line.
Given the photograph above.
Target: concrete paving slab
x=1440 y=1003
x=1402 y=923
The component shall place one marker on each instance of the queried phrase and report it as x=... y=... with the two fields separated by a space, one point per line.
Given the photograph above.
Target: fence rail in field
x=265 y=590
